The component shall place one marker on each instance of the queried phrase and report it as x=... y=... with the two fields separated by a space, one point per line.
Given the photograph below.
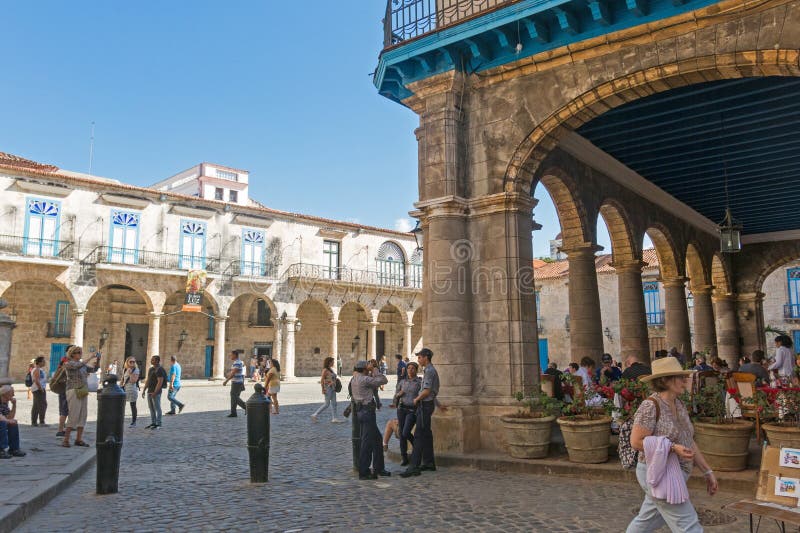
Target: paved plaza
x=193 y=475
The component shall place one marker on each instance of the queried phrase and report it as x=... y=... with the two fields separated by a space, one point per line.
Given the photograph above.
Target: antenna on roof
x=91 y=148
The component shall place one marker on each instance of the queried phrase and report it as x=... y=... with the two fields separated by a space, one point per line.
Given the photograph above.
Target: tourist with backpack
x=39 y=389
x=58 y=385
x=78 y=393
x=29 y=377
x=330 y=386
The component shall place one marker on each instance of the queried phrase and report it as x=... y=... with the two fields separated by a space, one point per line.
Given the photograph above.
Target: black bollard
x=110 y=418
x=258 y=413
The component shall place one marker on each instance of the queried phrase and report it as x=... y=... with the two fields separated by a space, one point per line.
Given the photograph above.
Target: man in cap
x=608 y=372
x=422 y=456
x=364 y=387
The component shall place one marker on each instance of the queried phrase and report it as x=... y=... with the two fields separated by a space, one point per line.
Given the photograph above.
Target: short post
x=356 y=432
x=258 y=409
x=110 y=418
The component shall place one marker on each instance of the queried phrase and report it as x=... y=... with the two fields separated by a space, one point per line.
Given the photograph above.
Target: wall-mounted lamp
x=298 y=326
x=607 y=333
x=566 y=323
x=182 y=338
x=103 y=337
x=417 y=232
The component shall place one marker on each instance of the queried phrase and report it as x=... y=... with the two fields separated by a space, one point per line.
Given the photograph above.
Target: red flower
x=627 y=395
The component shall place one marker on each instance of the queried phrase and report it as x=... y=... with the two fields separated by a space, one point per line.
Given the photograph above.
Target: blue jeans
x=406 y=418
x=173 y=403
x=9 y=436
x=655 y=513
x=330 y=399
x=371 y=442
x=154 y=404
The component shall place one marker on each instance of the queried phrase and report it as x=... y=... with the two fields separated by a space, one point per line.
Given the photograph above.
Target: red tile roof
x=15 y=161
x=557 y=269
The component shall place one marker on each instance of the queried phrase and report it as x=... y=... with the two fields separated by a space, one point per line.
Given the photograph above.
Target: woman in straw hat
x=662 y=414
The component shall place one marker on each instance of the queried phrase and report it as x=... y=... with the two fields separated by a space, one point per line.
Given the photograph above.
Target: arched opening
x=313 y=341
x=251 y=324
x=720 y=277
x=781 y=304
x=118 y=324
x=191 y=336
x=352 y=334
x=43 y=313
x=607 y=286
x=390 y=332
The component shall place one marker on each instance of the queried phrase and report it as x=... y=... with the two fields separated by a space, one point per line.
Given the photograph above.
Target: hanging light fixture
x=417 y=232
x=730 y=229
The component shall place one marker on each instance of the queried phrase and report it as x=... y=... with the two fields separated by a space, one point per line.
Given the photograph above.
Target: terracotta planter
x=528 y=438
x=782 y=436
x=725 y=446
x=587 y=441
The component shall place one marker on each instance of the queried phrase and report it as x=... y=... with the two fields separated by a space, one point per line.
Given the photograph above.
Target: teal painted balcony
x=423 y=38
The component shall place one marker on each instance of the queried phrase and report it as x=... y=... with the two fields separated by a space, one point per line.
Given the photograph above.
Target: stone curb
x=738 y=482
x=15 y=511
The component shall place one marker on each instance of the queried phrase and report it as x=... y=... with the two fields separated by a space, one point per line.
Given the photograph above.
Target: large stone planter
x=725 y=446
x=528 y=438
x=586 y=440
x=782 y=436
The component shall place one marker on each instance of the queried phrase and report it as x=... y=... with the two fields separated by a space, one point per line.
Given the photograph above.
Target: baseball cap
x=606 y=358
x=425 y=352
x=361 y=365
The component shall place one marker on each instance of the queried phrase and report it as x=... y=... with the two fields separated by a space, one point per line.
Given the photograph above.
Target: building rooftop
x=558 y=269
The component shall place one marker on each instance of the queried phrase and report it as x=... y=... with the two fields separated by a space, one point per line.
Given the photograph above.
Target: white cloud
x=403 y=224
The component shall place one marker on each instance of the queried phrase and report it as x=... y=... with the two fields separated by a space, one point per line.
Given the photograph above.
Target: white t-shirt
x=42 y=379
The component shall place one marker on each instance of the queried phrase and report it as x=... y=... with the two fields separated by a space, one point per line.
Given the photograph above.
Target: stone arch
x=199 y=327
x=623 y=245
x=41 y=321
x=763 y=259
x=391 y=251
x=242 y=328
x=313 y=341
x=720 y=275
x=354 y=318
x=696 y=268
x=634 y=85
x=572 y=216
x=391 y=320
x=669 y=264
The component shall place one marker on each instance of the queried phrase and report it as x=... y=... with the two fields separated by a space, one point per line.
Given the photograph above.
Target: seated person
x=700 y=362
x=9 y=427
x=756 y=366
x=552 y=370
x=393 y=428
x=635 y=368
x=720 y=366
x=608 y=372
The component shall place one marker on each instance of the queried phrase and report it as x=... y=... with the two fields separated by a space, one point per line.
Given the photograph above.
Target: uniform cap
x=361 y=365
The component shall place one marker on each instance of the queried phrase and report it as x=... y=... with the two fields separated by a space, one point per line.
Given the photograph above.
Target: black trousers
x=406 y=418
x=423 y=436
x=236 y=390
x=371 y=442
x=39 y=407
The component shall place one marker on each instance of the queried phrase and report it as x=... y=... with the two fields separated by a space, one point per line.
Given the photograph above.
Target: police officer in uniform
x=422 y=457
x=407 y=389
x=364 y=387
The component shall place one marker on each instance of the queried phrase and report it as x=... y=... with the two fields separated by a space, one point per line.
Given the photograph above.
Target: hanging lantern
x=730 y=234
x=417 y=232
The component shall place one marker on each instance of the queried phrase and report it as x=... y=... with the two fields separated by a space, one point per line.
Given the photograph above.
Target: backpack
x=59 y=381
x=628 y=457
x=28 y=380
x=338 y=385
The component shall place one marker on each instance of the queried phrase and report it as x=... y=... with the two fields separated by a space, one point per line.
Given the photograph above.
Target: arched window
x=415 y=269
x=391 y=264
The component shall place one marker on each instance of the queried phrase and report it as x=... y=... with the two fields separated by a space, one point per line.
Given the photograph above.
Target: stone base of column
x=458 y=430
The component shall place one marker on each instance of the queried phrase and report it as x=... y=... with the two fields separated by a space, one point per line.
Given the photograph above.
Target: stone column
x=585 y=323
x=676 y=316
x=373 y=334
x=728 y=346
x=78 y=327
x=219 y=346
x=155 y=335
x=407 y=338
x=633 y=335
x=335 y=342
x=6 y=327
x=277 y=344
x=705 y=334
x=750 y=314
x=287 y=371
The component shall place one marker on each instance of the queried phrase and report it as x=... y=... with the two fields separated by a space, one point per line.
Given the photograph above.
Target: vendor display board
x=779 y=478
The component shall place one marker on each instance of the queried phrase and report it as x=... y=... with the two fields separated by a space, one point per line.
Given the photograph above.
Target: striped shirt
x=238 y=371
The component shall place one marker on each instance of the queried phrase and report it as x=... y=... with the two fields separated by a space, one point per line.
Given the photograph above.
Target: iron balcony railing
x=150 y=259
x=655 y=318
x=407 y=19
x=791 y=311
x=352 y=276
x=59 y=329
x=253 y=268
x=36 y=247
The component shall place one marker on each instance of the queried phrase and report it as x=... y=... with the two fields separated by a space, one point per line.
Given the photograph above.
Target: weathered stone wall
x=313 y=342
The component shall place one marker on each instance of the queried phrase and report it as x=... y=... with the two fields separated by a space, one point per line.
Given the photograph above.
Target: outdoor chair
x=548 y=384
x=745 y=384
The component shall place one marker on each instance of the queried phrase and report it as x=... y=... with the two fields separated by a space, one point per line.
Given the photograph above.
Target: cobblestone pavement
x=193 y=475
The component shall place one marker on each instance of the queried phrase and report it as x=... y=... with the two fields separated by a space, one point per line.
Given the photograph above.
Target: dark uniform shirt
x=430 y=381
x=408 y=389
x=636 y=370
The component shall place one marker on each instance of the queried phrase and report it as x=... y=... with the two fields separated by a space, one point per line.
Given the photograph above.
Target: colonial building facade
x=92 y=261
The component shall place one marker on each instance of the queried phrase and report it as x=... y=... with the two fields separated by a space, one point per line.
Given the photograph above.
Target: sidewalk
x=30 y=482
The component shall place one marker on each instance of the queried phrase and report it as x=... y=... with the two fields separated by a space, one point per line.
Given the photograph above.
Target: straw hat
x=666 y=366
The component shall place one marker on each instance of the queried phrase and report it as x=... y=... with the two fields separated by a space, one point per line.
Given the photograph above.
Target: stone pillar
x=335 y=342
x=6 y=327
x=78 y=327
x=373 y=334
x=277 y=344
x=633 y=335
x=676 y=316
x=705 y=334
x=728 y=346
x=585 y=323
x=287 y=371
x=219 y=346
x=155 y=335
x=407 y=340
x=750 y=312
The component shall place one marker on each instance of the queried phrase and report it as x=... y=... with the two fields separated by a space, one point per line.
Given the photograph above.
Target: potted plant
x=782 y=406
x=586 y=424
x=528 y=430
x=724 y=440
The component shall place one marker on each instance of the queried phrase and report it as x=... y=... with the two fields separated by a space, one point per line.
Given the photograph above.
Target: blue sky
x=281 y=89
